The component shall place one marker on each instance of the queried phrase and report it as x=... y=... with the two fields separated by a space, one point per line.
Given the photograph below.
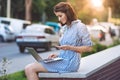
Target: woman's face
x=61 y=17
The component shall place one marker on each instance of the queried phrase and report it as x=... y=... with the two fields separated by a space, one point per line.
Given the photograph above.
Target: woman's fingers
x=52 y=56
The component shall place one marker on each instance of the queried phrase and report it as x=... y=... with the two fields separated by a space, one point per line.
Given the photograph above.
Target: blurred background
x=42 y=10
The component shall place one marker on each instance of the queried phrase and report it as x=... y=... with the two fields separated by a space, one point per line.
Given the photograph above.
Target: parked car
x=6 y=33
x=112 y=28
x=37 y=36
x=17 y=24
x=97 y=32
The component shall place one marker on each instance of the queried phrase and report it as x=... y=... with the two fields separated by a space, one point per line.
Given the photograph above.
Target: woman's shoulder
x=80 y=25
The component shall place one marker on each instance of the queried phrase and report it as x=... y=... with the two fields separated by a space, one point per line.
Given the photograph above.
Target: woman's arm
x=79 y=49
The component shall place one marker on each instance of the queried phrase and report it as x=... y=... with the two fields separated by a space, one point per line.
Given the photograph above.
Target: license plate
x=30 y=39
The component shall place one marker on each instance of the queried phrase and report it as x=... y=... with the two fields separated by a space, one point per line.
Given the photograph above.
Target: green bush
x=95 y=48
x=99 y=47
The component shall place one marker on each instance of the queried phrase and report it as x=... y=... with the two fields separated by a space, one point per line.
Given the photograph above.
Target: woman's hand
x=64 y=47
x=52 y=56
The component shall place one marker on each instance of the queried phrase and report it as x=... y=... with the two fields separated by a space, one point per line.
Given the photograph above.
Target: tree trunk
x=28 y=6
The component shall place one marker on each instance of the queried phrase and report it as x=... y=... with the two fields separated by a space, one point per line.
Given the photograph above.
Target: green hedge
x=99 y=47
x=96 y=48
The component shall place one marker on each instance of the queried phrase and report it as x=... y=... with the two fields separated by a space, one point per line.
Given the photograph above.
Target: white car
x=6 y=33
x=37 y=36
x=97 y=32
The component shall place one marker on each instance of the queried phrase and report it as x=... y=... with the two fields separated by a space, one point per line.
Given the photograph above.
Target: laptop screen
x=34 y=53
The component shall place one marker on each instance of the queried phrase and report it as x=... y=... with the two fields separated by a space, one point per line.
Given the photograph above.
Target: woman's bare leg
x=32 y=69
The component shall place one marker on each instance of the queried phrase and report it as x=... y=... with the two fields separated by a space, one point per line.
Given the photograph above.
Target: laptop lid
x=34 y=53
x=38 y=58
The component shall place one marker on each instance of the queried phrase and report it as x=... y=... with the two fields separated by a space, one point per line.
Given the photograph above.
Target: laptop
x=39 y=58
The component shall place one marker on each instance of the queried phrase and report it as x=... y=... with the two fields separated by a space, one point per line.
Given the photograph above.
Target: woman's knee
x=34 y=68
x=29 y=68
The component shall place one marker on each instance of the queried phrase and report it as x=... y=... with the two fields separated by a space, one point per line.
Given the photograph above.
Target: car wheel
x=21 y=49
x=1 y=39
x=48 y=48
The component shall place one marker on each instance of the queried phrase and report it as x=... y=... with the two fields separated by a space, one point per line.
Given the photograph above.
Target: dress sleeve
x=84 y=36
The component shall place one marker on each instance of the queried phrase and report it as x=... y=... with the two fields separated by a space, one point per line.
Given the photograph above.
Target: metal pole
x=8 y=8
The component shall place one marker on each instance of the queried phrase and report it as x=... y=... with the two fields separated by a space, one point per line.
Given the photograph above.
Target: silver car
x=37 y=36
x=6 y=33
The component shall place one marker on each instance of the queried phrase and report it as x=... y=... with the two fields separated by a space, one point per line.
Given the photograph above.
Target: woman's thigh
x=37 y=67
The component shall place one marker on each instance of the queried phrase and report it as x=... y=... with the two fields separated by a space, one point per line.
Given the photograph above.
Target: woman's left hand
x=64 y=47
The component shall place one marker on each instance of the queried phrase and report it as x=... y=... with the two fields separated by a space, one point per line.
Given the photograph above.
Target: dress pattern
x=75 y=35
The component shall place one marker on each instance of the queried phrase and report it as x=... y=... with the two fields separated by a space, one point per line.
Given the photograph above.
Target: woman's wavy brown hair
x=66 y=8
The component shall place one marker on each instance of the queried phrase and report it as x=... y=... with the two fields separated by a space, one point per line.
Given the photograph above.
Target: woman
x=74 y=41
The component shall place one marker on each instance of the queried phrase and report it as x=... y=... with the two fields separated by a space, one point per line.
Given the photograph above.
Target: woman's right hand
x=52 y=56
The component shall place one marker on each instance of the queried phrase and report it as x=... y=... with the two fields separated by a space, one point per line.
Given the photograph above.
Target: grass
x=18 y=76
x=15 y=76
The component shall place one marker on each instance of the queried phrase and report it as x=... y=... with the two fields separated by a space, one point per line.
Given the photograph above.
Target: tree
x=44 y=8
x=86 y=12
x=115 y=6
x=38 y=10
x=49 y=9
x=28 y=7
x=83 y=10
x=23 y=9
x=3 y=4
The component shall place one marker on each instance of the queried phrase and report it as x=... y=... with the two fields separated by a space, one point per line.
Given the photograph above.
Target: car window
x=6 y=28
x=49 y=31
x=5 y=22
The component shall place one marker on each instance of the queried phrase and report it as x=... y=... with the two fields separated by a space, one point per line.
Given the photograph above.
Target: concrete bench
x=104 y=65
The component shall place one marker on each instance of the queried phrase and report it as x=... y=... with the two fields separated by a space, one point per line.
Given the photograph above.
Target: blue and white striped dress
x=75 y=35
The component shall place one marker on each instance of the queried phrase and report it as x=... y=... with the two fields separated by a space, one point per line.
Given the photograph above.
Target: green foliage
x=49 y=9
x=39 y=6
x=96 y=48
x=3 y=70
x=18 y=76
x=44 y=6
x=84 y=17
x=99 y=47
x=18 y=9
x=115 y=6
x=15 y=76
